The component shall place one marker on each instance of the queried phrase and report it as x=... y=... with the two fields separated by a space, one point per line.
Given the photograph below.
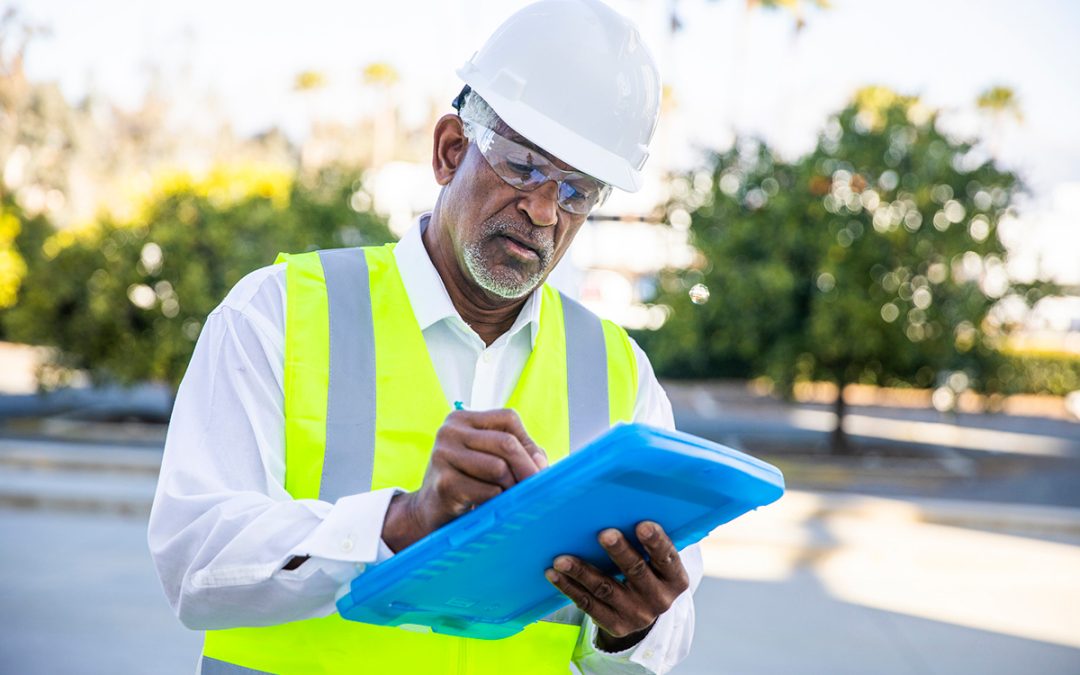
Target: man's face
x=508 y=240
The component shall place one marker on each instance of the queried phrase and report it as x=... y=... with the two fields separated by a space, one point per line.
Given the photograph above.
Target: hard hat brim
x=579 y=152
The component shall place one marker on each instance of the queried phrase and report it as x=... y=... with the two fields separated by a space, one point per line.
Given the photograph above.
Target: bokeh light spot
x=699 y=294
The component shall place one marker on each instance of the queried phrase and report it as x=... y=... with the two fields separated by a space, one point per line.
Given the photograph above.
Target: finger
x=509 y=421
x=663 y=556
x=482 y=466
x=640 y=576
x=601 y=586
x=603 y=614
x=459 y=493
x=504 y=446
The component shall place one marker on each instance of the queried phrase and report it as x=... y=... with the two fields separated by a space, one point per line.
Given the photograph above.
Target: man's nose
x=541 y=205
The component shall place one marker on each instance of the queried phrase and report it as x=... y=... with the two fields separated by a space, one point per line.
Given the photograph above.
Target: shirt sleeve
x=223 y=529
x=668 y=642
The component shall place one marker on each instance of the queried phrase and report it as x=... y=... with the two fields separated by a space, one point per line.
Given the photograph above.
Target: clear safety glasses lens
x=526 y=169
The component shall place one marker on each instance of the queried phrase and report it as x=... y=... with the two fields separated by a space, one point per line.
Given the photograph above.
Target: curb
x=998 y=516
x=90 y=478
x=74 y=504
x=957 y=512
x=96 y=478
x=50 y=455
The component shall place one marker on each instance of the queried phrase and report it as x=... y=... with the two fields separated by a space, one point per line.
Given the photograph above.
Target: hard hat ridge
x=575 y=78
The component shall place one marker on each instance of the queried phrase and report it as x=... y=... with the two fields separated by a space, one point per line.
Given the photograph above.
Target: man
x=315 y=432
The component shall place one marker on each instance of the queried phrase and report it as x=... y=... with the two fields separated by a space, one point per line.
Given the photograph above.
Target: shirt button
x=347 y=545
x=486 y=357
x=648 y=653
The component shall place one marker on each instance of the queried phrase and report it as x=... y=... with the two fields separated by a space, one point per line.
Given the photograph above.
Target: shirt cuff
x=352 y=530
x=648 y=657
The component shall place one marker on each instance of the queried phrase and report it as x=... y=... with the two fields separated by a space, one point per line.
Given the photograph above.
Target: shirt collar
x=427 y=292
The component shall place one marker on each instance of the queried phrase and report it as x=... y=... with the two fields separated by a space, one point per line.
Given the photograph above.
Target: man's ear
x=448 y=150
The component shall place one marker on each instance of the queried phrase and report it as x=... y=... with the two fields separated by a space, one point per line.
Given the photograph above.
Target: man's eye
x=525 y=170
x=571 y=193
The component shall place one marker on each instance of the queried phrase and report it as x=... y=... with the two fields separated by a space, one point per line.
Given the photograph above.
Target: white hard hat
x=575 y=78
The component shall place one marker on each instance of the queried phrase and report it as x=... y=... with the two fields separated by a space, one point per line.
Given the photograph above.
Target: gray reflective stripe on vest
x=586 y=374
x=350 y=407
x=587 y=396
x=211 y=666
x=349 y=459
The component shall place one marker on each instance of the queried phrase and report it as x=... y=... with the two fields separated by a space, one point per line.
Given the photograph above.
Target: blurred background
x=856 y=255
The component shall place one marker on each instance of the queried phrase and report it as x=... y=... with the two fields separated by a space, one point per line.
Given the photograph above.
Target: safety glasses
x=526 y=169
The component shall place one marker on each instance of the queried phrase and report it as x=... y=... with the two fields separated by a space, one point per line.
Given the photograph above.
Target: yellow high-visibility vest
x=362 y=406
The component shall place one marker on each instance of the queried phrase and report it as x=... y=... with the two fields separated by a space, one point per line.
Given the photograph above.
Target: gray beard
x=507 y=285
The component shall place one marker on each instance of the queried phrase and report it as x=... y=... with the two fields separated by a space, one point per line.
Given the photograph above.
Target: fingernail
x=609 y=537
x=563 y=564
x=648 y=530
x=551 y=575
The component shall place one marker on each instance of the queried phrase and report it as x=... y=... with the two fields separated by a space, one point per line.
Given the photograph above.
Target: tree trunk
x=839 y=439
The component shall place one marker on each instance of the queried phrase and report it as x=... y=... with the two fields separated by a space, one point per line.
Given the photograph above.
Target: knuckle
x=583 y=602
x=645 y=618
x=637 y=570
x=444 y=486
x=662 y=602
x=507 y=444
x=682 y=582
x=639 y=611
x=447 y=435
x=604 y=590
x=666 y=558
x=503 y=473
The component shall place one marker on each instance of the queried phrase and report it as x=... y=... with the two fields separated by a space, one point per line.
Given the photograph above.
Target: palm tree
x=383 y=77
x=1000 y=104
x=309 y=80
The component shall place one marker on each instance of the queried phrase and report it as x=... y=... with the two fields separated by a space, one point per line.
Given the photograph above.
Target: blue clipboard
x=482 y=575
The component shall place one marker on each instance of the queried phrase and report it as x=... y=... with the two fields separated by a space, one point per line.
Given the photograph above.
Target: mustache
x=522 y=232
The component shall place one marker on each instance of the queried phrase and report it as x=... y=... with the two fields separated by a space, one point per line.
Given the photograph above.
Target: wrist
x=402 y=525
x=607 y=642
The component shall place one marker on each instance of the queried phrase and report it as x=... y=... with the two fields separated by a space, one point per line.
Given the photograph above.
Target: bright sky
x=729 y=69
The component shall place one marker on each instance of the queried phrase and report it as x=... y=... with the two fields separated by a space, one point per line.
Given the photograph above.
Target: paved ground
x=818 y=583
x=80 y=596
x=825 y=583
x=927 y=557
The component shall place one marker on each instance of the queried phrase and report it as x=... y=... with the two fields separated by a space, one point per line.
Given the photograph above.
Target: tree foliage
x=19 y=233
x=125 y=299
x=875 y=258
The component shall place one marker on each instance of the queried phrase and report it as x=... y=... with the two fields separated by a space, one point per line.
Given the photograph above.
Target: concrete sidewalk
x=102 y=477
x=819 y=582
x=77 y=477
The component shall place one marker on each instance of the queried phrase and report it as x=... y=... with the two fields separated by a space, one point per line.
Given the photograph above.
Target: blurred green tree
x=874 y=259
x=18 y=233
x=125 y=301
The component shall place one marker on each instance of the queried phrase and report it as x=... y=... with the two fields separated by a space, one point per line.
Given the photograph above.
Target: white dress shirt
x=222 y=525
